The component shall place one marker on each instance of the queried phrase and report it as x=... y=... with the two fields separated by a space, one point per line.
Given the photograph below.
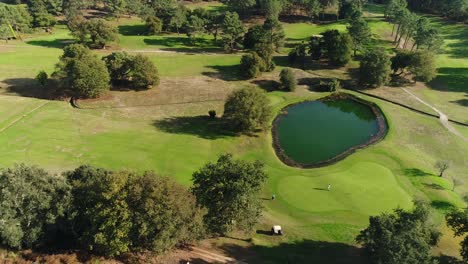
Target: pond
x=318 y=133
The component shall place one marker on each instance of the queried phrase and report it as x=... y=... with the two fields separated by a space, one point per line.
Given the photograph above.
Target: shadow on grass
x=201 y=126
x=444 y=259
x=56 y=43
x=451 y=79
x=306 y=251
x=132 y=30
x=28 y=87
x=414 y=172
x=462 y=102
x=226 y=73
x=433 y=186
x=443 y=205
x=267 y=85
x=184 y=44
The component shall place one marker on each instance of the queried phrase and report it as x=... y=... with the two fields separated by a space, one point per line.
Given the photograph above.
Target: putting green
x=367 y=187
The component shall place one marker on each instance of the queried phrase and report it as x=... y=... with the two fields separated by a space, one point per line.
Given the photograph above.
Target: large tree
x=400 y=237
x=82 y=73
x=360 y=33
x=101 y=32
x=229 y=189
x=31 y=202
x=233 y=31
x=458 y=221
x=163 y=213
x=101 y=216
x=247 y=109
x=337 y=46
x=375 y=68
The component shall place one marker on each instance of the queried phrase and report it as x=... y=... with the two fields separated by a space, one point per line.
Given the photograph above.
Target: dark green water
x=316 y=131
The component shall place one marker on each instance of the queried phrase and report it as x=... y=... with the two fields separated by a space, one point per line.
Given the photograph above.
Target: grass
x=175 y=140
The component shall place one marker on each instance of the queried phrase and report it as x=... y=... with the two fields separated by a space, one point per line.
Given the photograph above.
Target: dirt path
x=210 y=256
x=442 y=117
x=23 y=116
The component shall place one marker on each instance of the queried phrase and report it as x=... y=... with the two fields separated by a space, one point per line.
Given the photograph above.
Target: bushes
x=287 y=79
x=332 y=85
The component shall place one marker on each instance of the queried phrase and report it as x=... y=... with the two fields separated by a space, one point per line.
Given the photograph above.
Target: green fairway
x=137 y=131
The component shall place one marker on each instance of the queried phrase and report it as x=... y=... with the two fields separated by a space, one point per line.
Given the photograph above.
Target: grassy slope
x=373 y=180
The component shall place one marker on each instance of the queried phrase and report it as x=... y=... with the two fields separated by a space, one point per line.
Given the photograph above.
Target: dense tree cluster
x=114 y=212
x=454 y=9
x=14 y=19
x=408 y=26
x=374 y=70
x=420 y=64
x=400 y=237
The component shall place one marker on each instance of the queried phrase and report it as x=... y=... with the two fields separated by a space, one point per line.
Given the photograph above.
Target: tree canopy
x=375 y=68
x=229 y=189
x=247 y=109
x=400 y=237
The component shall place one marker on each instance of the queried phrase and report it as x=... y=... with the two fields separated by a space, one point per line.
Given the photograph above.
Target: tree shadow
x=263 y=232
x=306 y=251
x=433 y=186
x=132 y=30
x=414 y=172
x=267 y=85
x=462 y=102
x=443 y=205
x=201 y=126
x=56 y=43
x=184 y=44
x=321 y=189
x=450 y=79
x=225 y=73
x=28 y=87
x=444 y=259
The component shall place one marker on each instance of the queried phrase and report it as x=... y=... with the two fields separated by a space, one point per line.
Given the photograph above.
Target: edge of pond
x=381 y=122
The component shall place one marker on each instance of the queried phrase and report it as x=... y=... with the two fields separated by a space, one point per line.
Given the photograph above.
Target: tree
x=180 y=18
x=374 y=70
x=316 y=47
x=143 y=73
x=32 y=202
x=233 y=31
x=254 y=35
x=401 y=61
x=250 y=65
x=119 y=65
x=78 y=26
x=81 y=72
x=274 y=33
x=229 y=189
x=247 y=109
x=195 y=27
x=101 y=32
x=442 y=166
x=101 y=216
x=401 y=237
x=458 y=221
x=41 y=16
x=116 y=7
x=272 y=8
x=337 y=46
x=298 y=54
x=423 y=66
x=287 y=79
x=163 y=213
x=360 y=33
x=42 y=78
x=154 y=25
x=242 y=6
x=17 y=17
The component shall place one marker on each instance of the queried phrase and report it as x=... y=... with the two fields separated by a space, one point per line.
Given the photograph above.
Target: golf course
x=167 y=130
